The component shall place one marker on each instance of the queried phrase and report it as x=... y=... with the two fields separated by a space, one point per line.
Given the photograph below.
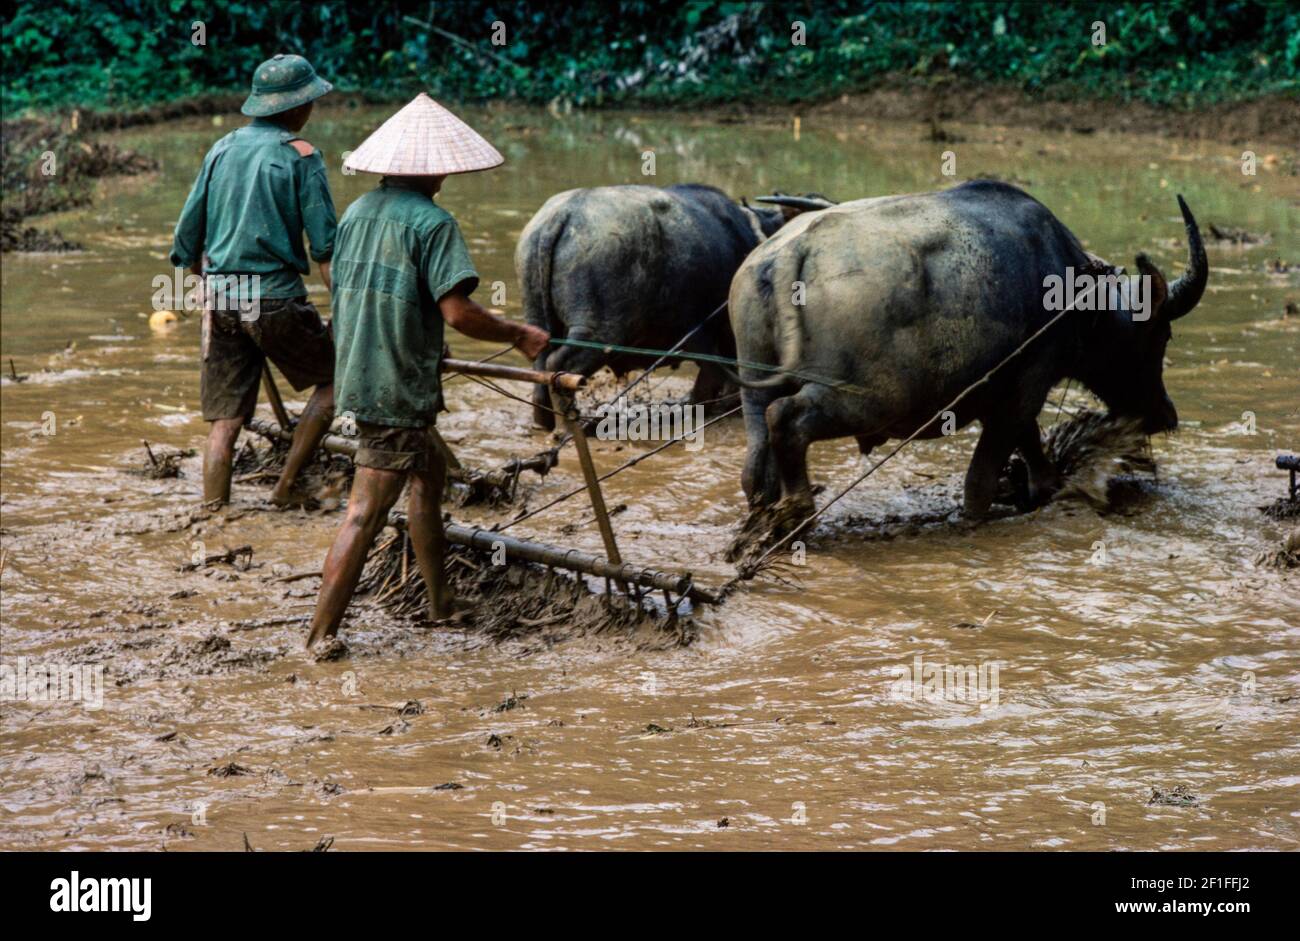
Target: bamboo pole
x=564 y=405
x=566 y=381
x=273 y=396
x=338 y=444
x=574 y=560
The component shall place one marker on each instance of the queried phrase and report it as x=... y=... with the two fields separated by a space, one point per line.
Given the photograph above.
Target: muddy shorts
x=288 y=331
x=385 y=447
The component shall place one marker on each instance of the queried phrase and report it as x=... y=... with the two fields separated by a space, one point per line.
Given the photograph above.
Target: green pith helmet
x=281 y=83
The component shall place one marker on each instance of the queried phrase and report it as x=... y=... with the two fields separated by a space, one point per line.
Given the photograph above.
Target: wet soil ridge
x=50 y=167
x=511 y=599
x=1096 y=457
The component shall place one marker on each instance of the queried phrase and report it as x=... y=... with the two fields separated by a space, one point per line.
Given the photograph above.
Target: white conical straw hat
x=424 y=139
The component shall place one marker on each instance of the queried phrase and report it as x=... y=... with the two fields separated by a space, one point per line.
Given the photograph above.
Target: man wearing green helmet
x=260 y=188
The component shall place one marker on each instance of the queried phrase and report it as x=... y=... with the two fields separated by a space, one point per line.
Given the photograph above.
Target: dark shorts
x=289 y=332
x=385 y=447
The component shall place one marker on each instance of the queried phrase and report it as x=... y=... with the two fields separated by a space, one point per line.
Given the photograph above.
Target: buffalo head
x=1126 y=359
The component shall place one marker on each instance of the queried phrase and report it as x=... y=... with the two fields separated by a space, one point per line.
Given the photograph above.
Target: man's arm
x=471 y=318
x=187 y=242
x=317 y=205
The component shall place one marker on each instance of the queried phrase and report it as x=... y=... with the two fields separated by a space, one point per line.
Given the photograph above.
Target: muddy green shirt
x=398 y=254
x=254 y=198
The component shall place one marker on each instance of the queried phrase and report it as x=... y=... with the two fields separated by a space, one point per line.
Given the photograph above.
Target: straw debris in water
x=516 y=599
x=1091 y=452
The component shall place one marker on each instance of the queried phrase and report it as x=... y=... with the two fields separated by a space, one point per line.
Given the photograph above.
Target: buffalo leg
x=759 y=479
x=793 y=423
x=995 y=444
x=1043 y=478
x=543 y=417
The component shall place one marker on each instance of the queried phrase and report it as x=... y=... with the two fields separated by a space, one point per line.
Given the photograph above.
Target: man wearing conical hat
x=402 y=270
x=260 y=188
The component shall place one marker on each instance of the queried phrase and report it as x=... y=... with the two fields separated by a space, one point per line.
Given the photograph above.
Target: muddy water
x=1138 y=650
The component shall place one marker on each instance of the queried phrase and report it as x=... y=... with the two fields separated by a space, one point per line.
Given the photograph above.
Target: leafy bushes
x=119 y=53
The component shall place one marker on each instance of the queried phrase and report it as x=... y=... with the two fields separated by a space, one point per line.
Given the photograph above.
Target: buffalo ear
x=1159 y=290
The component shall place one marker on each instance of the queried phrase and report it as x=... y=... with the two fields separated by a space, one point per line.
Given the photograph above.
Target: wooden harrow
x=631 y=579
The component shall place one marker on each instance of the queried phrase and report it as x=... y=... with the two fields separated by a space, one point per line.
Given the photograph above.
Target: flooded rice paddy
x=1112 y=659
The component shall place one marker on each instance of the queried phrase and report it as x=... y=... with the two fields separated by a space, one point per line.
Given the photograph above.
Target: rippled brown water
x=1164 y=657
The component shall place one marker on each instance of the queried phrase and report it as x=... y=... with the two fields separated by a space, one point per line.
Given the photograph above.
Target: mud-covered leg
x=1043 y=478
x=542 y=415
x=218 y=459
x=995 y=444
x=313 y=425
x=424 y=522
x=373 y=494
x=759 y=479
x=791 y=427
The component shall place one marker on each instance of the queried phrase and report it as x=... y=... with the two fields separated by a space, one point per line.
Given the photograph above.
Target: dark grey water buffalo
x=638 y=266
x=908 y=300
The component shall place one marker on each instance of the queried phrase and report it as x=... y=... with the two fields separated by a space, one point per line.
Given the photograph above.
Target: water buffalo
x=908 y=300
x=638 y=266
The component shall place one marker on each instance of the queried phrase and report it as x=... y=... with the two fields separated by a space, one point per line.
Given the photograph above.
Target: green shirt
x=398 y=254
x=254 y=197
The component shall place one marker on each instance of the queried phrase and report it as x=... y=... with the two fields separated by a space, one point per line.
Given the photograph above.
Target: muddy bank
x=1271 y=119
x=51 y=166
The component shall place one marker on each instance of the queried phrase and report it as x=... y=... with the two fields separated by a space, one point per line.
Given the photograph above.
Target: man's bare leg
x=424 y=523
x=312 y=427
x=219 y=458
x=373 y=494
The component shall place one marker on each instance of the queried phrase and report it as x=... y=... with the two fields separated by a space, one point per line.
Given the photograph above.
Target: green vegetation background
x=123 y=53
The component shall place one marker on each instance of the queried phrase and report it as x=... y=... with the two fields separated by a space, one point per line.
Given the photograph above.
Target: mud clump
x=208 y=656
x=326 y=477
x=1282 y=509
x=161 y=464
x=765 y=526
x=331 y=651
x=1229 y=236
x=240 y=558
x=1285 y=557
x=1178 y=796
